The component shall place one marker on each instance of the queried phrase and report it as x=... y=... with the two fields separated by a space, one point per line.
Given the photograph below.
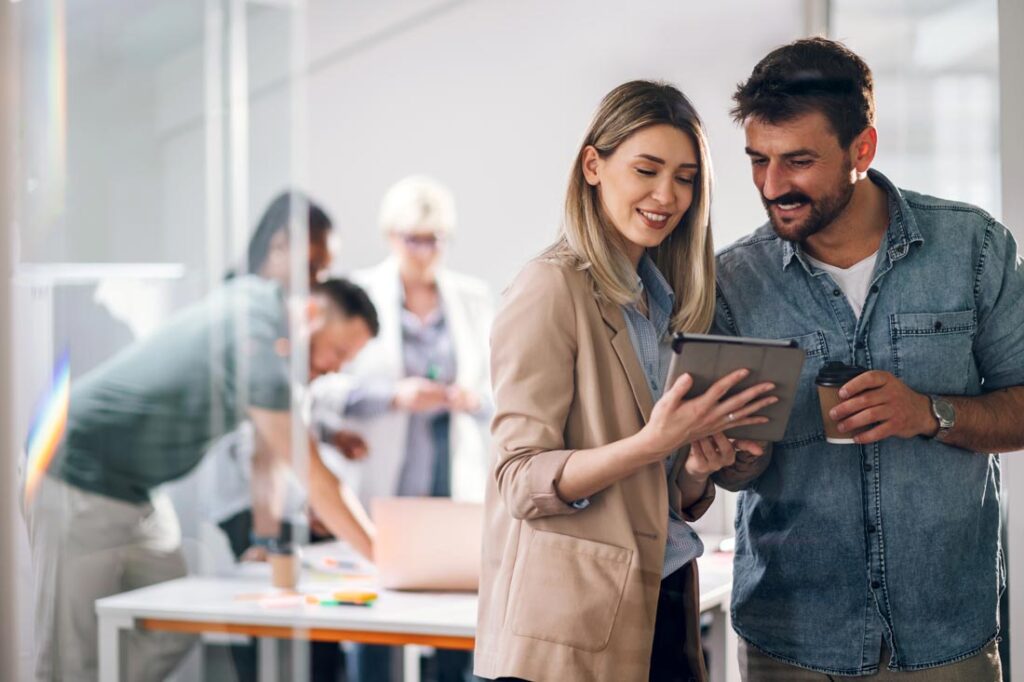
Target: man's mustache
x=788 y=198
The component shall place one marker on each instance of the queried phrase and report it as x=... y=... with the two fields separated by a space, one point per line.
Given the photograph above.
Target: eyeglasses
x=421 y=241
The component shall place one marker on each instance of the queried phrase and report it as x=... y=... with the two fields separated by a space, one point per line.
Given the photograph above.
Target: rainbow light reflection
x=48 y=424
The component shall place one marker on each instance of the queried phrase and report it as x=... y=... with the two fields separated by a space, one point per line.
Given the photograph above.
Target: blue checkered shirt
x=653 y=345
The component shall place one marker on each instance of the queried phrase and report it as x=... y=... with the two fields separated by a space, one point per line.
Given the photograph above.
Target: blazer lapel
x=388 y=286
x=459 y=329
x=623 y=346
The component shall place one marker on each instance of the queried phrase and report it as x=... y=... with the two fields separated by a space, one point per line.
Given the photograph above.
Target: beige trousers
x=87 y=546
x=983 y=667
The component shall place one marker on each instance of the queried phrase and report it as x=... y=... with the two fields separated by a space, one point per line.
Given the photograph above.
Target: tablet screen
x=708 y=358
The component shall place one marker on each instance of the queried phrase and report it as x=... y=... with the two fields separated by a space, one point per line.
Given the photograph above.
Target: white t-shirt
x=854 y=280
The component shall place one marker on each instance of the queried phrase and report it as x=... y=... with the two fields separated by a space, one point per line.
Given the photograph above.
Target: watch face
x=944 y=411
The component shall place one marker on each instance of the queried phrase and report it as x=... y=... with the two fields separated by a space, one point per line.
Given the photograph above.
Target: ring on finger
x=731 y=417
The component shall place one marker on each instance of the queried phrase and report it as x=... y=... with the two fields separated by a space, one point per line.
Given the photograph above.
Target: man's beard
x=822 y=212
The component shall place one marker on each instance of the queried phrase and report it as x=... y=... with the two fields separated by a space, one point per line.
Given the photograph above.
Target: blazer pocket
x=567 y=590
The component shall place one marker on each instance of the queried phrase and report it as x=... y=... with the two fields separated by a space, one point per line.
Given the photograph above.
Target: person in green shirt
x=253 y=500
x=98 y=525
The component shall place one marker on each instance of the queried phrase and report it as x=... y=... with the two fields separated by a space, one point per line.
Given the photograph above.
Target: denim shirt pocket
x=805 y=424
x=933 y=352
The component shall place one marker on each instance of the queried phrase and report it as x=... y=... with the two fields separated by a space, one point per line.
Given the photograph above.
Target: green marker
x=337 y=602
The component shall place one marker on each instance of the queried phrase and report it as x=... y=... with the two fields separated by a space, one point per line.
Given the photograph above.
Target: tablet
x=708 y=358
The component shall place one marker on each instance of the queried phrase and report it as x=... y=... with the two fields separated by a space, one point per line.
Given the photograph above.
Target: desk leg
x=723 y=646
x=268 y=649
x=410 y=663
x=110 y=646
x=717 y=643
x=732 y=647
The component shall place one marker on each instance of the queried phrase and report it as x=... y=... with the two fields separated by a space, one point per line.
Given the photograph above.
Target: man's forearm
x=747 y=468
x=267 y=486
x=988 y=423
x=338 y=507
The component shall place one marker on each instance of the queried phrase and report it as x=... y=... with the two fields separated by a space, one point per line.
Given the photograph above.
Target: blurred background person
x=419 y=394
x=98 y=524
x=255 y=502
x=228 y=463
x=269 y=256
x=269 y=252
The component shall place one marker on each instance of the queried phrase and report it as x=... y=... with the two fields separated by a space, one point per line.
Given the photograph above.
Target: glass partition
x=145 y=317
x=936 y=67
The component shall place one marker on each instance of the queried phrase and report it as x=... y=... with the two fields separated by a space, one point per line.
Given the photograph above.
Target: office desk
x=442 y=620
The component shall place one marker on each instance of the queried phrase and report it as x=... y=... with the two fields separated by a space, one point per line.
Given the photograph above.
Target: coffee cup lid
x=837 y=373
x=277 y=546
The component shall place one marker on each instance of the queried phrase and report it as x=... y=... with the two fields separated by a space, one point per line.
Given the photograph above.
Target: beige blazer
x=568 y=594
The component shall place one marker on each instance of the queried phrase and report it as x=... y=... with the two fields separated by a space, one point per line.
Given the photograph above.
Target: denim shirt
x=838 y=546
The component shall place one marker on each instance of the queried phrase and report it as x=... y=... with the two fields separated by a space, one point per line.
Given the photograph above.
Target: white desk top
x=213 y=599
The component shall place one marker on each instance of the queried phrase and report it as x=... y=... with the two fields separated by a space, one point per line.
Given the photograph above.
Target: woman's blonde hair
x=417 y=202
x=589 y=241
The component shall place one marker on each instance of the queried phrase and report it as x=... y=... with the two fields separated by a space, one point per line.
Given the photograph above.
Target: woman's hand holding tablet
x=677 y=420
x=707 y=359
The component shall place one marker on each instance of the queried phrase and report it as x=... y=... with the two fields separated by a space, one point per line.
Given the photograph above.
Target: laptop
x=427 y=543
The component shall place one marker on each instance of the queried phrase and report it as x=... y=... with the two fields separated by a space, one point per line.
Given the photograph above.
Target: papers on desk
x=272 y=599
x=332 y=575
x=334 y=560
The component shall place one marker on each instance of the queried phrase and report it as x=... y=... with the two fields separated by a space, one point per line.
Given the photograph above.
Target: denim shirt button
x=836 y=292
x=867 y=467
x=874 y=288
x=859 y=345
x=871 y=528
x=875 y=584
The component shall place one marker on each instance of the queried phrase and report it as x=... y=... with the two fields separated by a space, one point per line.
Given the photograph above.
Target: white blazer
x=468 y=311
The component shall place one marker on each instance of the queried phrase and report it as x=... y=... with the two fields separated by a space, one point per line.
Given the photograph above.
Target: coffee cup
x=284 y=566
x=830 y=379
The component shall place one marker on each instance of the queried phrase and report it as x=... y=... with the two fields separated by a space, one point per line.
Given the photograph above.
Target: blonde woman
x=589 y=568
x=419 y=394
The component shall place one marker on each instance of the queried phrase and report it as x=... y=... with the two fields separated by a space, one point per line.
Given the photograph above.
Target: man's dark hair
x=814 y=74
x=275 y=219
x=351 y=300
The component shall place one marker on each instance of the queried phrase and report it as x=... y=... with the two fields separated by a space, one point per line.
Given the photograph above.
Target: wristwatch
x=943 y=411
x=266 y=541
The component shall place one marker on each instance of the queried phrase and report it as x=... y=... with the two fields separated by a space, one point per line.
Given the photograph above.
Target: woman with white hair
x=419 y=393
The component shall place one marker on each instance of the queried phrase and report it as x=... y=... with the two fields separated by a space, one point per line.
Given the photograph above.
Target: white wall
x=493 y=99
x=490 y=97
